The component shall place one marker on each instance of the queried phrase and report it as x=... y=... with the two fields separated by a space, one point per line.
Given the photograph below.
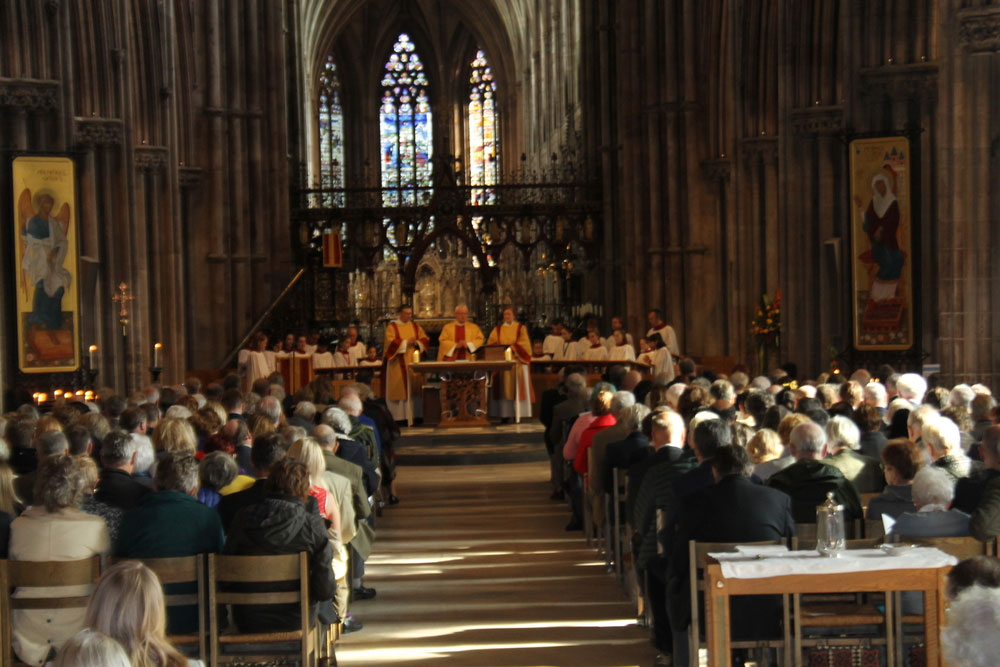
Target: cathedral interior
x=564 y=156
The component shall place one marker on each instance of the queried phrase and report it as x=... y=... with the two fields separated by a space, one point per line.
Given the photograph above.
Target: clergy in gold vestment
x=403 y=338
x=459 y=339
x=513 y=395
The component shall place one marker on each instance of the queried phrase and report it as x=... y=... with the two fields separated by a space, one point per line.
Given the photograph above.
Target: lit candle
x=156 y=354
x=34 y=397
x=42 y=397
x=508 y=354
x=93 y=363
x=57 y=393
x=416 y=356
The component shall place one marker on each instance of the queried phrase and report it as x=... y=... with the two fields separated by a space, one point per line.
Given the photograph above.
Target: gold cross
x=123 y=299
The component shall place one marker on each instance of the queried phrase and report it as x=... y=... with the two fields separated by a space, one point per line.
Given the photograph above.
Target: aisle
x=474 y=568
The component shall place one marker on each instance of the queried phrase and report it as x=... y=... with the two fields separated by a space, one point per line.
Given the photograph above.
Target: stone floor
x=474 y=568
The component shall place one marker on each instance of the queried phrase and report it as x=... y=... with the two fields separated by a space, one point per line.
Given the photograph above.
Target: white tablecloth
x=777 y=564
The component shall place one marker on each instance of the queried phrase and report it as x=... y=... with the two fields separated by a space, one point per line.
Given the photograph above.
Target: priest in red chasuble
x=404 y=341
x=513 y=392
x=459 y=339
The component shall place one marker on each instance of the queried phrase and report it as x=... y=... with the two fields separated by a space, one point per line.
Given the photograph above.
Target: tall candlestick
x=156 y=354
x=92 y=356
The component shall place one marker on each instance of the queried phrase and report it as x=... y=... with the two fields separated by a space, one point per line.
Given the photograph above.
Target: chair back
x=959 y=547
x=182 y=570
x=874 y=528
x=42 y=574
x=697 y=560
x=224 y=569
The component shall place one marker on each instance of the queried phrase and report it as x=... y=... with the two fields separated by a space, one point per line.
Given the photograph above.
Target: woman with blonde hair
x=128 y=606
x=88 y=648
x=175 y=436
x=765 y=449
x=339 y=506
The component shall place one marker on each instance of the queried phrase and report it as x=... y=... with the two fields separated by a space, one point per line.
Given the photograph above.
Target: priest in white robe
x=513 y=390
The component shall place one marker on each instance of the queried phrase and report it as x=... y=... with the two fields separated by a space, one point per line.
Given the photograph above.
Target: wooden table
x=718 y=589
x=463 y=383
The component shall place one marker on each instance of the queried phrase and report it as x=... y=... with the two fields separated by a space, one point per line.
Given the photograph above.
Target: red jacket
x=587 y=438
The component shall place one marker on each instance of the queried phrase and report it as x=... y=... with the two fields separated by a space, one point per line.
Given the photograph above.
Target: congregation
x=737 y=459
x=181 y=470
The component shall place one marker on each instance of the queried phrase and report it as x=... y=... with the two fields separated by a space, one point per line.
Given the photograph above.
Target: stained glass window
x=484 y=147
x=331 y=135
x=405 y=125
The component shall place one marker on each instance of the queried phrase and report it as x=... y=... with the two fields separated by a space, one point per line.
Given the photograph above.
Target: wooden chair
x=831 y=611
x=865 y=499
x=251 y=647
x=959 y=547
x=697 y=560
x=874 y=528
x=618 y=493
x=38 y=574
x=183 y=570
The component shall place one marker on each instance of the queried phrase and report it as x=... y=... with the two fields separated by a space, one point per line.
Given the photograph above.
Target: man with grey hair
x=808 y=480
x=270 y=407
x=116 y=486
x=563 y=415
x=844 y=443
x=943 y=441
x=170 y=522
x=918 y=419
x=360 y=433
x=962 y=396
x=48 y=444
x=304 y=416
x=348 y=449
x=631 y=449
x=912 y=387
x=933 y=491
x=874 y=394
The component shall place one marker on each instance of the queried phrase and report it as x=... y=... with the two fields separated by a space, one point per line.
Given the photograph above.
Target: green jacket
x=365 y=534
x=862 y=471
x=366 y=436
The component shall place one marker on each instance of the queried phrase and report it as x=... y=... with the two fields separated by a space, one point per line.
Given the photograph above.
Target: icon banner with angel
x=46 y=264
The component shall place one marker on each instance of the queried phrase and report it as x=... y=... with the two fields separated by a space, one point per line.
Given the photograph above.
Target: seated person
x=89 y=648
x=216 y=471
x=933 y=490
x=53 y=529
x=901 y=459
x=765 y=450
x=970 y=638
x=843 y=441
x=808 y=480
x=281 y=524
x=128 y=606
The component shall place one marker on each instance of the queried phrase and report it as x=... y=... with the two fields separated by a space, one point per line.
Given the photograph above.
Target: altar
x=464 y=385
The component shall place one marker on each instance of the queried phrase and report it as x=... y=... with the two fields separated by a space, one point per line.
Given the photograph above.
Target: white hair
x=632 y=416
x=981 y=388
x=932 y=486
x=943 y=435
x=761 y=382
x=723 y=390
x=961 y=396
x=177 y=412
x=672 y=423
x=270 y=407
x=621 y=401
x=921 y=416
x=911 y=386
x=842 y=432
x=971 y=639
x=350 y=404
x=305 y=409
x=808 y=391
x=874 y=393
x=808 y=438
x=699 y=417
x=674 y=392
x=90 y=648
x=338 y=420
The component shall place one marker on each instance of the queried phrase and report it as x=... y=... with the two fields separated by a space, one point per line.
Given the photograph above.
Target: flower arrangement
x=766 y=324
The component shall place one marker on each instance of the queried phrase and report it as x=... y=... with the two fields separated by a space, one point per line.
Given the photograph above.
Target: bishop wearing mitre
x=404 y=341
x=459 y=339
x=515 y=385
